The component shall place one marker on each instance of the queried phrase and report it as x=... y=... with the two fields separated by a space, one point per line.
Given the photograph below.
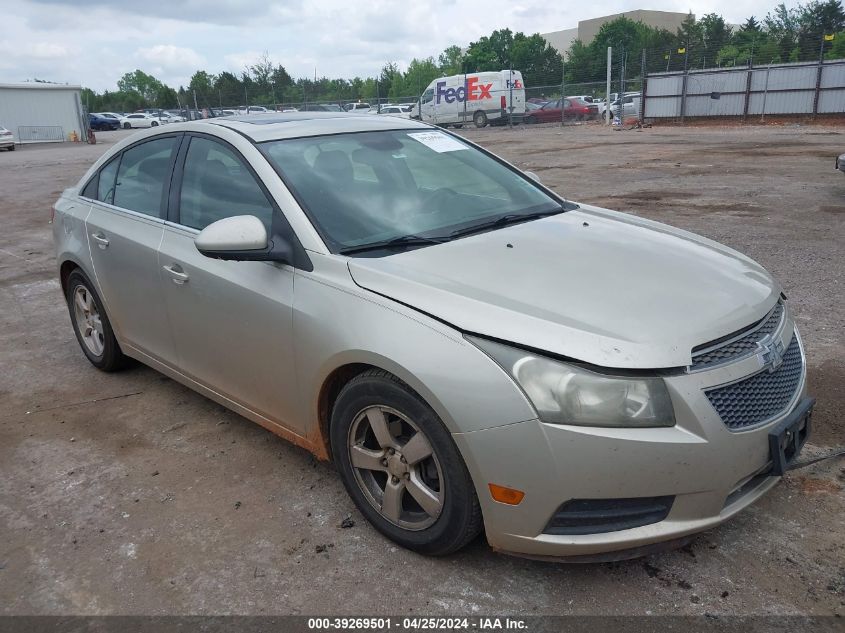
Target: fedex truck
x=479 y=98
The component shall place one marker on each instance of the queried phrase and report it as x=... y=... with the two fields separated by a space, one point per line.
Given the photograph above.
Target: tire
x=377 y=399
x=480 y=119
x=94 y=335
x=11 y=148
x=458 y=126
x=529 y=120
x=127 y=126
x=154 y=124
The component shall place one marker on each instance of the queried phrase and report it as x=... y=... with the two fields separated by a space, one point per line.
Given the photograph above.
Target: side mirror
x=533 y=176
x=240 y=238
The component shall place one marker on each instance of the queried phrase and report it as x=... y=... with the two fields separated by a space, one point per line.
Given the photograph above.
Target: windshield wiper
x=396 y=242
x=504 y=220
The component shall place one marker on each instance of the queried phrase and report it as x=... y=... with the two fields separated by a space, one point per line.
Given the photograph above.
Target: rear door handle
x=101 y=240
x=177 y=274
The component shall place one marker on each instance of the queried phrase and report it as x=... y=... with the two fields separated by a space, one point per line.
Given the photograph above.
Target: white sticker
x=437 y=141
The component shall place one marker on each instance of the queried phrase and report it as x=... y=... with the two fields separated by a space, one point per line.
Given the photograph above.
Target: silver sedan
x=471 y=349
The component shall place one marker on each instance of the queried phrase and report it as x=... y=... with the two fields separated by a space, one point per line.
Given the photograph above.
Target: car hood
x=594 y=285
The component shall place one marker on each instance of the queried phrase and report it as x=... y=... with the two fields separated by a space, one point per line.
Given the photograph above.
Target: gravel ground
x=128 y=493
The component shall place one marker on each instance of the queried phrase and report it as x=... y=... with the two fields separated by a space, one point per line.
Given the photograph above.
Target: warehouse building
x=41 y=113
x=587 y=30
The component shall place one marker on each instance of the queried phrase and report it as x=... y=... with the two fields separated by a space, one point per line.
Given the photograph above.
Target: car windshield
x=368 y=188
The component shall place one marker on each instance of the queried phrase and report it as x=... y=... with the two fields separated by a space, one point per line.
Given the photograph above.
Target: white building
x=40 y=112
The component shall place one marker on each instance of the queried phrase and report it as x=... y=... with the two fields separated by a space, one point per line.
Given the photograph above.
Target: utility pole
x=510 y=97
x=562 y=91
x=641 y=113
x=195 y=101
x=607 y=93
x=623 y=57
x=825 y=38
x=685 y=52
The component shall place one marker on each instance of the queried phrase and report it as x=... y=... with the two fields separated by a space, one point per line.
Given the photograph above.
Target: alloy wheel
x=88 y=320
x=396 y=468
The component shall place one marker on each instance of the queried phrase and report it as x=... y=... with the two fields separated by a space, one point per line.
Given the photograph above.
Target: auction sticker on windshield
x=437 y=141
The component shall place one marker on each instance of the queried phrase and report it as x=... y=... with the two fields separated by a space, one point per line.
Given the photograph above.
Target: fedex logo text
x=471 y=91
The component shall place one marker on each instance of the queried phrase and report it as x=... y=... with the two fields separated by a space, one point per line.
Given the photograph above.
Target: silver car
x=469 y=348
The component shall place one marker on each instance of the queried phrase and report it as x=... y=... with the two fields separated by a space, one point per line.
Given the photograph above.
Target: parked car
x=139 y=119
x=576 y=381
x=584 y=98
x=630 y=106
x=253 y=110
x=840 y=163
x=357 y=108
x=110 y=115
x=100 y=123
x=395 y=110
x=321 y=107
x=574 y=109
x=7 y=139
x=175 y=116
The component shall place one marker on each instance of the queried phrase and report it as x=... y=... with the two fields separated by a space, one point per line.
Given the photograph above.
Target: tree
x=229 y=89
x=147 y=86
x=451 y=60
x=817 y=19
x=715 y=32
x=782 y=27
x=540 y=63
x=202 y=83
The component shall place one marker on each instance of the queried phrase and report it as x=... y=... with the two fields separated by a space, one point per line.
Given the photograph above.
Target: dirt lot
x=128 y=493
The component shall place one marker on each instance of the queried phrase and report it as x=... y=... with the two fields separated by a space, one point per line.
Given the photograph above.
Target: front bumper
x=710 y=472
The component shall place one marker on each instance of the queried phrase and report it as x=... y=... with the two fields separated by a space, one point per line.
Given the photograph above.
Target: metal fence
x=807 y=88
x=40 y=134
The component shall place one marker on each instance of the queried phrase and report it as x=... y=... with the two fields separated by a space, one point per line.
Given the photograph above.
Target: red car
x=574 y=109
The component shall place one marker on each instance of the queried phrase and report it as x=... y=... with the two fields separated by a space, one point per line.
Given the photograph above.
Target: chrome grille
x=760 y=397
x=712 y=355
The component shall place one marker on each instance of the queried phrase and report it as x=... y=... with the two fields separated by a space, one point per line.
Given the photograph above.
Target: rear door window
x=143 y=175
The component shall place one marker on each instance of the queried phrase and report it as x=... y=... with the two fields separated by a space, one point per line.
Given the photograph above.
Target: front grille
x=760 y=397
x=736 y=347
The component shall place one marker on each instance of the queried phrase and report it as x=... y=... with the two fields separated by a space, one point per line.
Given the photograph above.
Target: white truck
x=479 y=98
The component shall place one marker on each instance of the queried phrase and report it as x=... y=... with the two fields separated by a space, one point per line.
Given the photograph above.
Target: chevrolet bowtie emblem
x=770 y=353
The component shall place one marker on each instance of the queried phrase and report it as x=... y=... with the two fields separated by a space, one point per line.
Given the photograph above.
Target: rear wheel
x=127 y=126
x=91 y=325
x=401 y=466
x=480 y=119
x=154 y=124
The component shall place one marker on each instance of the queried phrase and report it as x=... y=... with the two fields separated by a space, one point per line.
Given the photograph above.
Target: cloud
x=170 y=56
x=96 y=41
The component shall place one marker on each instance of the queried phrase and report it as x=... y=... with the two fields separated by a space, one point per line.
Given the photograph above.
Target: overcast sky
x=93 y=42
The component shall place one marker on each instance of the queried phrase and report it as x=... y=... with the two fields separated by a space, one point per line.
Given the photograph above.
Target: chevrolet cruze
x=470 y=349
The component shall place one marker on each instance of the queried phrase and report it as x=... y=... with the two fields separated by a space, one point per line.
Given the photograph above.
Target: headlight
x=566 y=394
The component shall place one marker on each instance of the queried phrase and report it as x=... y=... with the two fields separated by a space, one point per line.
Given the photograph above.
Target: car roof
x=282 y=125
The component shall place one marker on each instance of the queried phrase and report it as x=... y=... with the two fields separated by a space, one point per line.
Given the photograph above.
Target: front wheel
x=480 y=119
x=11 y=148
x=154 y=124
x=529 y=120
x=401 y=467
x=127 y=126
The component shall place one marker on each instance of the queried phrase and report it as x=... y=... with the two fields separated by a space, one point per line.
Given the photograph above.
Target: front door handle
x=101 y=240
x=178 y=275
